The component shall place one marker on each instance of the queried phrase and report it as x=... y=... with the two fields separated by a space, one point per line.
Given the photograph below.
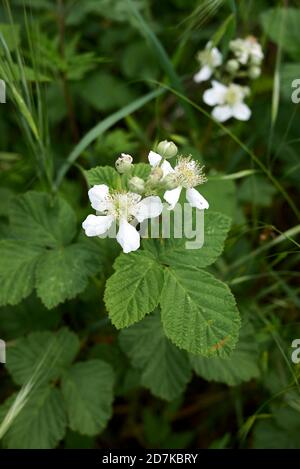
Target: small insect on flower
x=187 y=174
x=209 y=58
x=228 y=101
x=248 y=51
x=124 y=208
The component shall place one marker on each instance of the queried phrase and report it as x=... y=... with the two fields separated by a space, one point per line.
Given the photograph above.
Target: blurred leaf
x=17 y=270
x=41 y=424
x=105 y=92
x=165 y=369
x=287 y=18
x=87 y=388
x=100 y=128
x=256 y=190
x=279 y=432
x=63 y=273
x=116 y=10
x=37 y=256
x=289 y=73
x=138 y=61
x=41 y=220
x=221 y=196
x=110 y=145
x=24 y=355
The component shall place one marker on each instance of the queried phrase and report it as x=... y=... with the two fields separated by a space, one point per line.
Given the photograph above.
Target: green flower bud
x=232 y=66
x=167 y=149
x=254 y=72
x=136 y=184
x=170 y=181
x=124 y=163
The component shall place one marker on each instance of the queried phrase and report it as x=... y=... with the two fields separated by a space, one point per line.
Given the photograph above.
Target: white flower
x=155 y=159
x=187 y=174
x=247 y=51
x=228 y=101
x=123 y=208
x=210 y=58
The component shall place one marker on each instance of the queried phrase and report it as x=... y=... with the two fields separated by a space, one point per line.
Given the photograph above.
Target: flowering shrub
x=149 y=300
x=227 y=96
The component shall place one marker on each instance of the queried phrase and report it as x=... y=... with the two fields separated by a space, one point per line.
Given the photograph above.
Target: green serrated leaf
x=103 y=175
x=141 y=170
x=41 y=423
x=165 y=369
x=174 y=252
x=37 y=218
x=23 y=355
x=199 y=313
x=242 y=365
x=17 y=270
x=134 y=289
x=88 y=391
x=63 y=273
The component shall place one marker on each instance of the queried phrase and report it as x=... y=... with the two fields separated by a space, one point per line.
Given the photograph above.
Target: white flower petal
x=241 y=111
x=154 y=158
x=195 y=199
x=150 y=207
x=204 y=74
x=97 y=195
x=215 y=95
x=167 y=168
x=128 y=237
x=172 y=197
x=216 y=56
x=222 y=113
x=95 y=225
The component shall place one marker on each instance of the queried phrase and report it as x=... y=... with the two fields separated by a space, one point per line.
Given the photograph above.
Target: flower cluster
x=226 y=95
x=141 y=199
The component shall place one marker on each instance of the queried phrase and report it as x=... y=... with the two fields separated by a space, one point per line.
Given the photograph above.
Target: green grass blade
x=247 y=150
x=100 y=128
x=162 y=57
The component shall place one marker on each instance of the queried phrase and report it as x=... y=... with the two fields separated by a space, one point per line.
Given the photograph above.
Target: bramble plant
x=226 y=95
x=149 y=229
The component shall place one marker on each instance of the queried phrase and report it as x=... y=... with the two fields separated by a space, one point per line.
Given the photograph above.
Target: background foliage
x=86 y=81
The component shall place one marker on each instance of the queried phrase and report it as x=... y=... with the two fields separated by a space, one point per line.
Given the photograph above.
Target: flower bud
x=124 y=163
x=254 y=72
x=167 y=149
x=232 y=66
x=156 y=174
x=136 y=184
x=170 y=181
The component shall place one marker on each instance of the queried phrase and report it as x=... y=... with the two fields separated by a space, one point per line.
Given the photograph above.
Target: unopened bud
x=232 y=66
x=136 y=184
x=170 y=181
x=124 y=163
x=254 y=72
x=167 y=149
